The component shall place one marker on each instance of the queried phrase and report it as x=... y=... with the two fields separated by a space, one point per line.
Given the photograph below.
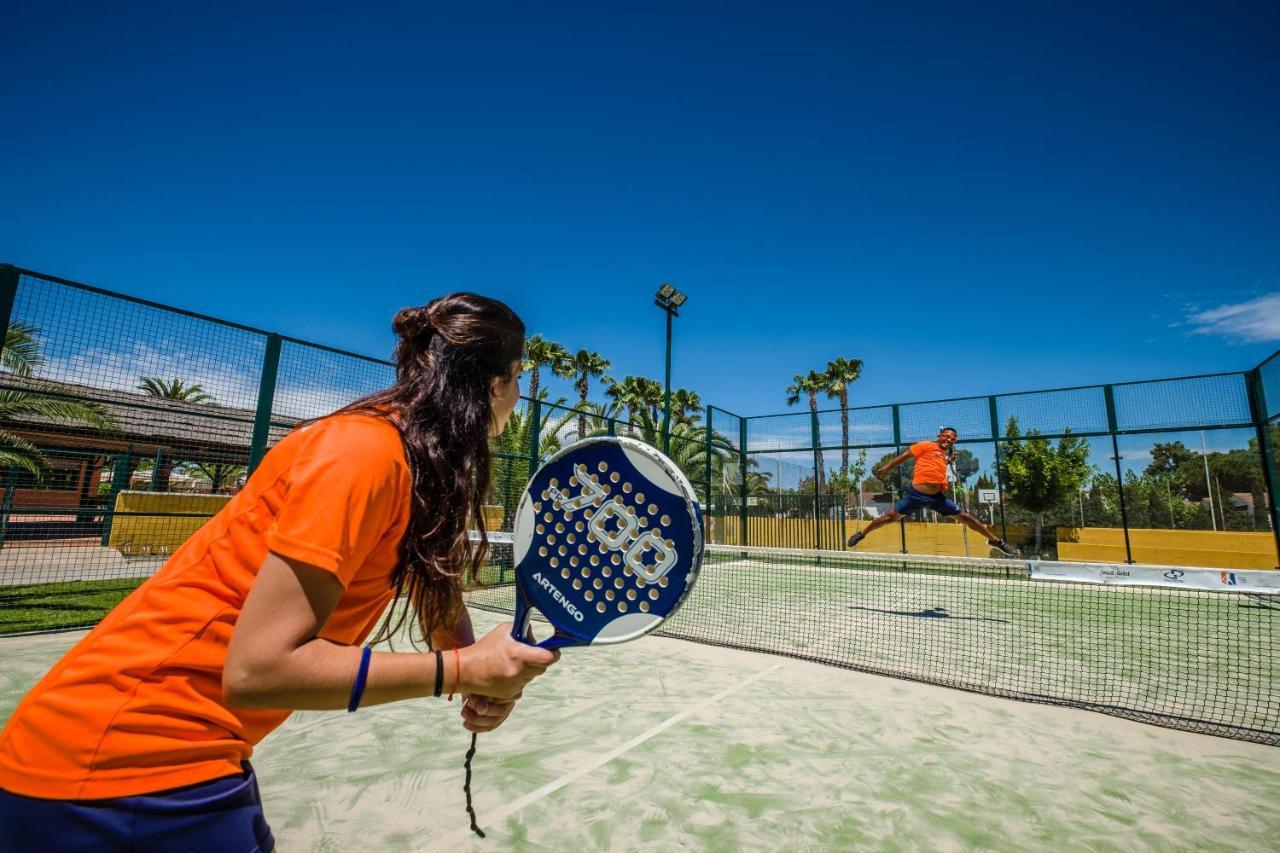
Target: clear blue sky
x=973 y=200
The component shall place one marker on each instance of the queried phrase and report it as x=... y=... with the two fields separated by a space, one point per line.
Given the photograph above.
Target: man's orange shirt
x=931 y=463
x=136 y=706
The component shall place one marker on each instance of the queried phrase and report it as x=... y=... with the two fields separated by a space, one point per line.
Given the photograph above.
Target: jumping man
x=928 y=489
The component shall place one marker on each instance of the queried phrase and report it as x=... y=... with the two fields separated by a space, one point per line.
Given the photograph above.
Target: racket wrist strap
x=357 y=689
x=439 y=688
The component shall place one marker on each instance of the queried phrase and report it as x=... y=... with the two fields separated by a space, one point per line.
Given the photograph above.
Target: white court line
x=552 y=787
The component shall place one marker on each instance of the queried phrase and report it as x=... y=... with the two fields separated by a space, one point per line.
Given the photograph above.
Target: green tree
x=636 y=393
x=903 y=473
x=1169 y=457
x=219 y=475
x=586 y=365
x=173 y=389
x=539 y=353
x=811 y=385
x=685 y=406
x=42 y=400
x=1040 y=476
x=839 y=375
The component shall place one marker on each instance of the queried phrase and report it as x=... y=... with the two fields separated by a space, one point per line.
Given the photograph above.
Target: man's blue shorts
x=220 y=816
x=914 y=501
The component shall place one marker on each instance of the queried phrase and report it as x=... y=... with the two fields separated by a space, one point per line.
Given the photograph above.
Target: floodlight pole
x=666 y=397
x=668 y=299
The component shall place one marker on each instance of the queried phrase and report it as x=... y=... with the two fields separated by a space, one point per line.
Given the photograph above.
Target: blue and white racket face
x=607 y=542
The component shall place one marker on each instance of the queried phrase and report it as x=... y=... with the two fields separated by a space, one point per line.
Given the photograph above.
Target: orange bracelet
x=457 y=673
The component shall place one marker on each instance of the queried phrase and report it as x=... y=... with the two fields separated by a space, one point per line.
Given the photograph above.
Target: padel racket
x=607 y=543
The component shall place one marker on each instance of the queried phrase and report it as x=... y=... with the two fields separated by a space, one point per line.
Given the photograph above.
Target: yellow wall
x=1228 y=550
x=156 y=532
x=1216 y=549
x=941 y=539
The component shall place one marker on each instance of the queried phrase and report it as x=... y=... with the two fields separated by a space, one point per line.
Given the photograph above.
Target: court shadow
x=931 y=613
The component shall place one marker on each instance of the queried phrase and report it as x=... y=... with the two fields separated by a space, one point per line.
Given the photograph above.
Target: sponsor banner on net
x=1240 y=580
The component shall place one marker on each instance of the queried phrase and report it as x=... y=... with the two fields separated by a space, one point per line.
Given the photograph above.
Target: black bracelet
x=439 y=674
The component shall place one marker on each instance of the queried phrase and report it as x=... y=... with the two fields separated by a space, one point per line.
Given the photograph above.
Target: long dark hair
x=449 y=352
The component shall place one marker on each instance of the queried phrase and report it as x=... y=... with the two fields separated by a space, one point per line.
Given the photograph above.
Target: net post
x=1109 y=395
x=1266 y=452
x=266 y=398
x=995 y=437
x=897 y=473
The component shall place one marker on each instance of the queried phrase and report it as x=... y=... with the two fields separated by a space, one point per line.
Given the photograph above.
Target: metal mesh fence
x=124 y=425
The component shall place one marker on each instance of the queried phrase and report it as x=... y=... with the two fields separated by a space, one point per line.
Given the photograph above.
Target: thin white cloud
x=1253 y=321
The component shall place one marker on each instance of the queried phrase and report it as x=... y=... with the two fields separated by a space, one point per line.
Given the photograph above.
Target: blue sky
x=994 y=199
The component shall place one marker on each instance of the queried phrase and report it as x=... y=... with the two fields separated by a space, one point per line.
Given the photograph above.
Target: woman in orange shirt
x=140 y=736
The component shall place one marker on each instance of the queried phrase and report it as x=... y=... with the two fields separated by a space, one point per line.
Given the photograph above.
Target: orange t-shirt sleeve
x=921 y=447
x=346 y=488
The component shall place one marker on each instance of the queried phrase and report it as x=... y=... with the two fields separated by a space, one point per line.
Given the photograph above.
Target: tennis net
x=1194 y=649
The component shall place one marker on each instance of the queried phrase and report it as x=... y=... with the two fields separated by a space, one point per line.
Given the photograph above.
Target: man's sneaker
x=855 y=539
x=1004 y=547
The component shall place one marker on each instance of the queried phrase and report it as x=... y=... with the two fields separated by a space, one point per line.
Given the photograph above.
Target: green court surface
x=664 y=744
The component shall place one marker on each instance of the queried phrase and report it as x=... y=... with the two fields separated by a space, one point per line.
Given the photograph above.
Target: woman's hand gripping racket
x=607 y=544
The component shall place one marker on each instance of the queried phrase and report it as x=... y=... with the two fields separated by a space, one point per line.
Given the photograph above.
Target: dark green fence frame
x=1264 y=415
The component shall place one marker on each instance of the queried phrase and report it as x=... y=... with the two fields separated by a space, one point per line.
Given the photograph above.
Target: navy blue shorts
x=220 y=816
x=913 y=502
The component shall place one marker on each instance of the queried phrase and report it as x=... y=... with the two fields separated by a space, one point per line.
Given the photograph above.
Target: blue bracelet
x=357 y=689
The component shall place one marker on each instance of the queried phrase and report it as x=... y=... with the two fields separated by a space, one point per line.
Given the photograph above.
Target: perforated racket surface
x=607 y=543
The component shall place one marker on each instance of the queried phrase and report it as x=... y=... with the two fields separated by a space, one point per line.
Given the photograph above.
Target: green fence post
x=535 y=434
x=119 y=482
x=708 y=504
x=155 y=471
x=995 y=437
x=1266 y=451
x=10 y=486
x=8 y=295
x=1109 y=395
x=816 y=437
x=897 y=473
x=266 y=398
x=742 y=477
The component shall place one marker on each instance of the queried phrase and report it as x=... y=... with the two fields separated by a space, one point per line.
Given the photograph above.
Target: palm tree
x=811 y=384
x=37 y=399
x=635 y=393
x=758 y=482
x=21 y=349
x=586 y=365
x=839 y=375
x=540 y=352
x=174 y=389
x=689 y=446
x=685 y=406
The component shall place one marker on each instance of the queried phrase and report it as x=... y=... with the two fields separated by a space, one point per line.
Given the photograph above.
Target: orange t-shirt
x=931 y=463
x=136 y=706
